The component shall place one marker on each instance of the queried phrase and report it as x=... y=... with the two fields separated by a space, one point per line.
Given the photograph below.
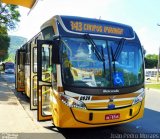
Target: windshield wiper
x=99 y=55
x=119 y=49
x=94 y=47
x=116 y=55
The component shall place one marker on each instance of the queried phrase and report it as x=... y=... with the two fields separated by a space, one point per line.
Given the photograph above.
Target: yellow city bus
x=82 y=72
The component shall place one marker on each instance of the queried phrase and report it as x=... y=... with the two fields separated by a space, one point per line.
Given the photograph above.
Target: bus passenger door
x=33 y=80
x=19 y=71
x=44 y=62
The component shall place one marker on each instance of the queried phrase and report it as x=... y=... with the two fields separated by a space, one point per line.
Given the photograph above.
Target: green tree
x=9 y=16
x=151 y=61
x=152 y=56
x=4 y=45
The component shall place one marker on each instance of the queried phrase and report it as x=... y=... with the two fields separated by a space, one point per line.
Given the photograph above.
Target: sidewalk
x=13 y=118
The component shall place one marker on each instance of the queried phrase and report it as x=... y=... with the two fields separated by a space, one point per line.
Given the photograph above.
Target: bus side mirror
x=55 y=52
x=144 y=50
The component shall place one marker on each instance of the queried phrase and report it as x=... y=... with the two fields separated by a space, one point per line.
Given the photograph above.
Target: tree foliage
x=9 y=16
x=152 y=56
x=151 y=61
x=4 y=43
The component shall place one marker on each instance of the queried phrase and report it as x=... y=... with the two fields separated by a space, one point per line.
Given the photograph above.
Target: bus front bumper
x=80 y=118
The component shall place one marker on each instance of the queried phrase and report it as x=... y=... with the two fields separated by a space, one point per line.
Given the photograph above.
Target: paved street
x=137 y=129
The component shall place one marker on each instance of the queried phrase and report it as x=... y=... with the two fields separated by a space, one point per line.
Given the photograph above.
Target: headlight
x=71 y=102
x=140 y=97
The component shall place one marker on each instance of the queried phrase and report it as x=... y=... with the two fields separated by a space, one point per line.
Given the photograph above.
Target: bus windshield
x=9 y=66
x=82 y=68
x=127 y=67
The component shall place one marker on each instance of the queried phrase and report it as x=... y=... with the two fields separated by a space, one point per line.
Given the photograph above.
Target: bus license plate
x=112 y=116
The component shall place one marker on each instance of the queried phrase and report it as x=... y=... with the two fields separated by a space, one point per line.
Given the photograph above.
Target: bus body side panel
x=16 y=69
x=27 y=80
x=27 y=69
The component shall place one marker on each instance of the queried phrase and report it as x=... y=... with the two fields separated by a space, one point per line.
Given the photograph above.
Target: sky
x=142 y=15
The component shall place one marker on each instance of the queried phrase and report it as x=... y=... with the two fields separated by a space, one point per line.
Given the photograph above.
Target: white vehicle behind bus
x=150 y=74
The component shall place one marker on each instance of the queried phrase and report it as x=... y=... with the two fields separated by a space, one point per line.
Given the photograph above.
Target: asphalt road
x=147 y=127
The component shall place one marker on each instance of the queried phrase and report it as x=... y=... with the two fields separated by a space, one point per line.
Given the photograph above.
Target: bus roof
x=9 y=63
x=81 y=25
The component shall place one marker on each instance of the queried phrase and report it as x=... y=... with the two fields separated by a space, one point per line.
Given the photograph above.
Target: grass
x=153 y=86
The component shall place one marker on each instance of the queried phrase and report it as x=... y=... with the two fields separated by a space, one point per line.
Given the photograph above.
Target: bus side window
x=46 y=66
x=54 y=77
x=45 y=58
x=34 y=59
x=22 y=60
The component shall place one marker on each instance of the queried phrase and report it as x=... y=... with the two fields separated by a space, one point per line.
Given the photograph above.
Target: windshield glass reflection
x=81 y=67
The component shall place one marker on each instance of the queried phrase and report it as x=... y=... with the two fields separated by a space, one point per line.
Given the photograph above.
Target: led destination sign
x=95 y=26
x=86 y=27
